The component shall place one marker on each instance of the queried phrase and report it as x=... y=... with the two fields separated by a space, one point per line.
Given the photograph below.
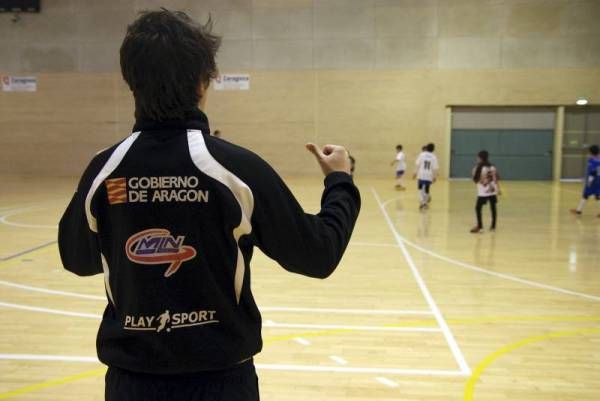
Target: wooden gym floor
x=419 y=309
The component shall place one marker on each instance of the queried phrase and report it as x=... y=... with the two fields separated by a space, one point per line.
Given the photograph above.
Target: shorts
x=592 y=190
x=424 y=184
x=399 y=173
x=236 y=384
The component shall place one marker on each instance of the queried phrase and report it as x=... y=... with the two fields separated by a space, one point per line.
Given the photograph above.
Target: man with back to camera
x=171 y=214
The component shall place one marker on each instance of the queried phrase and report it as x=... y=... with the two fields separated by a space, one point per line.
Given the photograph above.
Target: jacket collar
x=194 y=119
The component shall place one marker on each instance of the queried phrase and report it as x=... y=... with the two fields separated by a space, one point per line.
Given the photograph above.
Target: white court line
x=52 y=292
x=338 y=360
x=4 y=218
x=493 y=273
x=458 y=355
x=376 y=244
x=387 y=382
x=265 y=324
x=50 y=311
x=260 y=366
x=350 y=327
x=344 y=311
x=398 y=312
x=502 y=275
x=302 y=341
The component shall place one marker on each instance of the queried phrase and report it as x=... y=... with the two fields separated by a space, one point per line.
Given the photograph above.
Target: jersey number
x=427 y=165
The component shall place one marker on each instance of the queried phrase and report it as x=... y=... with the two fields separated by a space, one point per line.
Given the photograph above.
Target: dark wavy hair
x=484 y=157
x=165 y=57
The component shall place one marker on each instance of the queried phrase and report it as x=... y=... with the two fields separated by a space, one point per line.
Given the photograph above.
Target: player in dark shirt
x=170 y=216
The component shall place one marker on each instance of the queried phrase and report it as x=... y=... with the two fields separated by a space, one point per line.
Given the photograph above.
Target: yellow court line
x=52 y=383
x=487 y=361
x=431 y=323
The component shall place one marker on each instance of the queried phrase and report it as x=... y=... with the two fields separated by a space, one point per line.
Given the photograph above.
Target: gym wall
x=364 y=73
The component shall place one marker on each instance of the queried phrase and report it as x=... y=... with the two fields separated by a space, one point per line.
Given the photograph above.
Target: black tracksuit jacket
x=170 y=215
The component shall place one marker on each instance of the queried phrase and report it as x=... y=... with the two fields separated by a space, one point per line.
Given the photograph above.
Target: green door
x=518 y=154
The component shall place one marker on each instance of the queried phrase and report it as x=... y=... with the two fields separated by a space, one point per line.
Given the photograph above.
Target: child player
x=427 y=167
x=485 y=176
x=592 y=179
x=400 y=162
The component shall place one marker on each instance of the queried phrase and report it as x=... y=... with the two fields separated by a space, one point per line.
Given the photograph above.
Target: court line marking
x=456 y=352
x=338 y=359
x=98 y=372
x=345 y=311
x=386 y=382
x=351 y=327
x=457 y=321
x=360 y=244
x=260 y=366
x=28 y=250
x=50 y=311
x=14 y=212
x=53 y=383
x=302 y=341
x=11 y=262
x=493 y=273
x=398 y=312
x=375 y=244
x=266 y=324
x=262 y=309
x=342 y=328
x=49 y=291
x=491 y=358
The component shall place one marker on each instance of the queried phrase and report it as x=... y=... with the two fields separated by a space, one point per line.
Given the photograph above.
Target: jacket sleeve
x=78 y=244
x=311 y=245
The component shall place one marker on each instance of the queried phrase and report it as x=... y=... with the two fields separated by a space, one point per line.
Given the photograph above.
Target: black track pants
x=482 y=200
x=237 y=384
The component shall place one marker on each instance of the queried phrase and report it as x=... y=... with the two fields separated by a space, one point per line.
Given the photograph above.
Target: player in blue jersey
x=592 y=179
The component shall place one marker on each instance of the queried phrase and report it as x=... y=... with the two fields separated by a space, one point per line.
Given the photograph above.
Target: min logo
x=156 y=246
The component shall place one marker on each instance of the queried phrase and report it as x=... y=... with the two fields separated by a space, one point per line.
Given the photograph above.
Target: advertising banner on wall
x=232 y=82
x=19 y=84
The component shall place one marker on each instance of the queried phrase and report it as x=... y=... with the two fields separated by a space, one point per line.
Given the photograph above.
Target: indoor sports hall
x=420 y=307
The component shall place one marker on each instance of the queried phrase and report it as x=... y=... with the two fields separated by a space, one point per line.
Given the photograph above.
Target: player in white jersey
x=400 y=162
x=486 y=177
x=426 y=174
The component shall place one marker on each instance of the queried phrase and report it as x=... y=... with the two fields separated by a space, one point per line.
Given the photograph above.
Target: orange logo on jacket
x=117 y=190
x=156 y=246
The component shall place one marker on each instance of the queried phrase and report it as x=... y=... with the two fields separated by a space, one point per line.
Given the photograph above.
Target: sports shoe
x=476 y=230
x=575 y=211
x=492 y=229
